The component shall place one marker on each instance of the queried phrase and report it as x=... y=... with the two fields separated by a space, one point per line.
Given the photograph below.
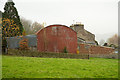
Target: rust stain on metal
x=55 y=37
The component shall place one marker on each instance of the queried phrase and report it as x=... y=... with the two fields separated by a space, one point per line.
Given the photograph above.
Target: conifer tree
x=11 y=25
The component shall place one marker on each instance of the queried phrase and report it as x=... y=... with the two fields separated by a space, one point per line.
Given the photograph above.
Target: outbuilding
x=57 y=38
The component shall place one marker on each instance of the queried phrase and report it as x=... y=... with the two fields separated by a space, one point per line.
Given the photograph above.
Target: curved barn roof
x=56 y=25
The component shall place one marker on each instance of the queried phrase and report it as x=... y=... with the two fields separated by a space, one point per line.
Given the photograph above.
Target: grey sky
x=98 y=16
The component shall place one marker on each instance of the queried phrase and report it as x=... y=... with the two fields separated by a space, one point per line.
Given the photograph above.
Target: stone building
x=83 y=35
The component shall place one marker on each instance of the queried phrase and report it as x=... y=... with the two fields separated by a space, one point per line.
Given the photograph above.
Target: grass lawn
x=33 y=67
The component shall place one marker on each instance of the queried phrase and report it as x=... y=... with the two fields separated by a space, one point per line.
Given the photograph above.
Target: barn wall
x=55 y=38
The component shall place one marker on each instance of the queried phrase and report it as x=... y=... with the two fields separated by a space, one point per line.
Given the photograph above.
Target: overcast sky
x=98 y=16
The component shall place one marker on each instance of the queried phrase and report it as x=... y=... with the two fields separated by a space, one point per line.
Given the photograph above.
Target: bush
x=24 y=44
x=65 y=50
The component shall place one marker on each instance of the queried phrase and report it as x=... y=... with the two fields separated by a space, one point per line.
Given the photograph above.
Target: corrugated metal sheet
x=13 y=42
x=55 y=38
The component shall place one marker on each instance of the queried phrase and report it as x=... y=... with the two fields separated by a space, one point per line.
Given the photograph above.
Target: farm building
x=86 y=41
x=14 y=42
x=59 y=38
x=55 y=38
x=83 y=35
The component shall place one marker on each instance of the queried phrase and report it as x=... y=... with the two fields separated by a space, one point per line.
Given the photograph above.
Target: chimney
x=9 y=1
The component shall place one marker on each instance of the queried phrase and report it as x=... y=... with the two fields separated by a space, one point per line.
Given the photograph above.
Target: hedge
x=30 y=53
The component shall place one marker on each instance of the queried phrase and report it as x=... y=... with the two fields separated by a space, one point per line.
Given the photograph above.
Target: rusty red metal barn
x=55 y=38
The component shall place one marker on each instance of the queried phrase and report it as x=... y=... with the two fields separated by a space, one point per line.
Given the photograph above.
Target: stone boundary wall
x=92 y=49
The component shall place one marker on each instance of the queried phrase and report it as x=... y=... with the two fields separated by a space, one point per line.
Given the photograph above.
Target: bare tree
x=36 y=26
x=29 y=27
x=113 y=40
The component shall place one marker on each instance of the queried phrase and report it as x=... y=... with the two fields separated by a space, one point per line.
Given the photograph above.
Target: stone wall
x=92 y=49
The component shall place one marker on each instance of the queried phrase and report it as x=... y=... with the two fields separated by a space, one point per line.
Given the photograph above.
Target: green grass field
x=33 y=67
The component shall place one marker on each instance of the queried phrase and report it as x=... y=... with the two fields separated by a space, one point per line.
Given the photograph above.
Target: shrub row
x=30 y=53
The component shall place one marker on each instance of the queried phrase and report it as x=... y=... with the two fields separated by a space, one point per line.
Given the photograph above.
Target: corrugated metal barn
x=55 y=38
